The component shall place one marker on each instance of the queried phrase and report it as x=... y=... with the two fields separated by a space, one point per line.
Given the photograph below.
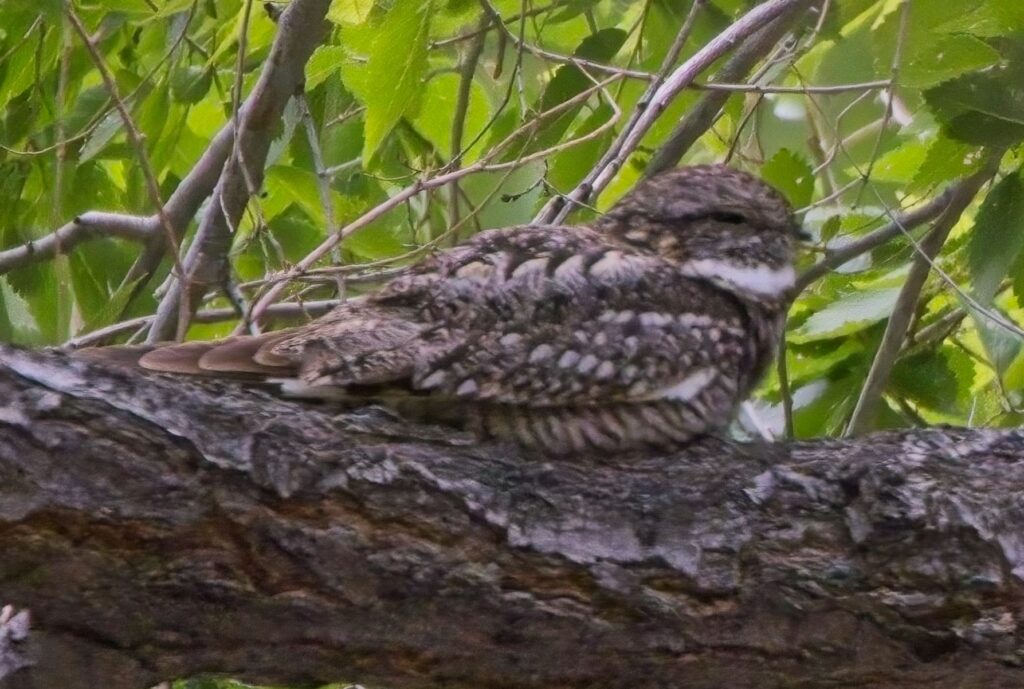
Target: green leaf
x=946 y=58
x=1013 y=379
x=110 y=311
x=927 y=54
x=791 y=175
x=901 y=163
x=947 y=159
x=349 y=11
x=1018 y=278
x=847 y=315
x=992 y=18
x=434 y=121
x=379 y=239
x=397 y=63
x=806 y=363
x=101 y=136
x=997 y=237
x=569 y=167
x=510 y=197
x=1001 y=345
x=567 y=83
x=822 y=407
x=326 y=60
x=296 y=234
x=985 y=107
x=17 y=324
x=189 y=84
x=931 y=379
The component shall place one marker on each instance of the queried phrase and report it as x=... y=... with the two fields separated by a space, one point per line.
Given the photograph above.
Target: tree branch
x=91 y=225
x=559 y=207
x=300 y=30
x=876 y=238
x=700 y=118
x=866 y=411
x=158 y=527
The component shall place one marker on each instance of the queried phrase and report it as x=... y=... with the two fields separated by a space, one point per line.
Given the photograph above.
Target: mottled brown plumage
x=647 y=327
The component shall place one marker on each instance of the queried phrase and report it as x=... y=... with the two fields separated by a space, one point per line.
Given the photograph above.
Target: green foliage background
x=382 y=96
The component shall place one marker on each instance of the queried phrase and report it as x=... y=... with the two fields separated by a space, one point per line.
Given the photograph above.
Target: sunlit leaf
x=847 y=315
x=792 y=175
x=349 y=11
x=997 y=237
x=398 y=58
x=326 y=61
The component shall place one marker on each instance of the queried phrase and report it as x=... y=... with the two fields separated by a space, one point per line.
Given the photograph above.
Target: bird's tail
x=245 y=356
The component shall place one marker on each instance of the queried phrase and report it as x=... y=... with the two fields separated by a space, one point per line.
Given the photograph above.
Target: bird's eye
x=728 y=217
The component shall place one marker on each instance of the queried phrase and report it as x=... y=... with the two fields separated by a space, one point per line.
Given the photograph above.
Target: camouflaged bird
x=645 y=328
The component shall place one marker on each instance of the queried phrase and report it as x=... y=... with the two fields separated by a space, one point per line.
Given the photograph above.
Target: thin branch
x=323 y=180
x=894 y=73
x=467 y=70
x=85 y=227
x=421 y=185
x=784 y=390
x=134 y=135
x=865 y=412
x=440 y=43
x=700 y=118
x=299 y=31
x=624 y=145
x=666 y=65
x=309 y=309
x=905 y=221
x=824 y=89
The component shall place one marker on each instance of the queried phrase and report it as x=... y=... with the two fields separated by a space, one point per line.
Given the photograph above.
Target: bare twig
x=866 y=409
x=705 y=112
x=323 y=180
x=467 y=70
x=894 y=73
x=824 y=89
x=784 y=389
x=299 y=31
x=135 y=137
x=666 y=65
x=624 y=145
x=308 y=309
x=87 y=226
x=906 y=221
x=485 y=164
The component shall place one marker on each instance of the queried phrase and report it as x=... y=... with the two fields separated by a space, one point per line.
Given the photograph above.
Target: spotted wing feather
x=535 y=316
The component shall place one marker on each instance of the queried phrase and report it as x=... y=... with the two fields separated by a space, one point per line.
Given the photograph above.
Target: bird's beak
x=802 y=234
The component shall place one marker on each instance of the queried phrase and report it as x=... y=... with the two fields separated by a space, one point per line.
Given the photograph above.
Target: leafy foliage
x=386 y=89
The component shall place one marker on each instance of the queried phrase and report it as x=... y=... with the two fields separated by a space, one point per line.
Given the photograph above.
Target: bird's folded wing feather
x=536 y=316
x=540 y=316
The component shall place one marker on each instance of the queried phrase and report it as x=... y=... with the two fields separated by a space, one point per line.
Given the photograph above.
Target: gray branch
x=91 y=225
x=158 y=528
x=301 y=28
x=682 y=77
x=704 y=113
x=866 y=410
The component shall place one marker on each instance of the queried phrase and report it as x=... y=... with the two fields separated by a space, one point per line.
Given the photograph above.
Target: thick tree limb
x=158 y=527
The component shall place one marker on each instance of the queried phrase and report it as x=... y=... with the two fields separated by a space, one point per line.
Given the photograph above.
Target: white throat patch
x=761 y=280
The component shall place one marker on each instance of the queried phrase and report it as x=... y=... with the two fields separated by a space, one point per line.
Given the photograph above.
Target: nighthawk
x=646 y=327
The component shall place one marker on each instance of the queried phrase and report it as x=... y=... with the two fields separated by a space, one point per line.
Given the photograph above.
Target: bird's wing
x=539 y=316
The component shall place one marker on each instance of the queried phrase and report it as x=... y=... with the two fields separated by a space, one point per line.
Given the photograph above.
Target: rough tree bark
x=158 y=528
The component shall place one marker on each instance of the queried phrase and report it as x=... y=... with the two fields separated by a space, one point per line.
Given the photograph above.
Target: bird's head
x=718 y=223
